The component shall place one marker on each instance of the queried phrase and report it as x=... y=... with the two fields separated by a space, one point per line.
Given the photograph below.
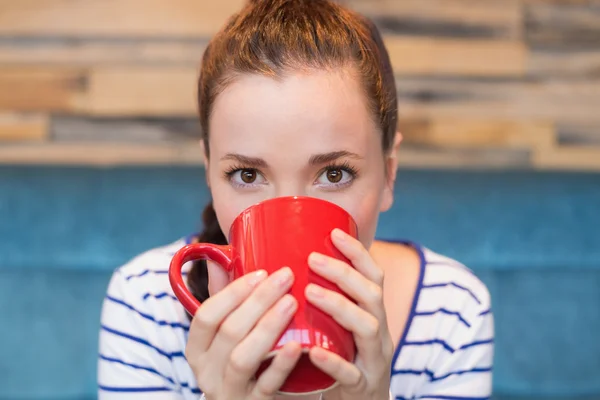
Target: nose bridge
x=290 y=188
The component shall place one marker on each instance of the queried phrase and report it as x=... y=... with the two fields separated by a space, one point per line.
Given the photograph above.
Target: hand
x=234 y=330
x=369 y=376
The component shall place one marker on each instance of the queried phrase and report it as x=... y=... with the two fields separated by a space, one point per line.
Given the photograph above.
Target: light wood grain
x=102 y=154
x=477 y=133
x=575 y=158
x=93 y=53
x=434 y=56
x=17 y=127
x=41 y=89
x=114 y=18
x=564 y=63
x=141 y=92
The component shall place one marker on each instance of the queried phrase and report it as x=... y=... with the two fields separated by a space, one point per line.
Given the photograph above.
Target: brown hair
x=272 y=37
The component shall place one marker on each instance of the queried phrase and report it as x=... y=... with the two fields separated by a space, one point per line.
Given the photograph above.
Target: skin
x=309 y=133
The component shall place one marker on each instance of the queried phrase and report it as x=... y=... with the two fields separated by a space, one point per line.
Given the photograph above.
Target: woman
x=297 y=97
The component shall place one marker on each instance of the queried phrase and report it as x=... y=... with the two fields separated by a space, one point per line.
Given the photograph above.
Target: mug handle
x=197 y=251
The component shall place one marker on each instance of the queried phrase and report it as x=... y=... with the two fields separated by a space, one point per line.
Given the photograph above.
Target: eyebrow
x=326 y=158
x=252 y=162
x=316 y=159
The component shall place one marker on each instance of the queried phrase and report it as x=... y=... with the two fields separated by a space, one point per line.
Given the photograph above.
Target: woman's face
x=307 y=134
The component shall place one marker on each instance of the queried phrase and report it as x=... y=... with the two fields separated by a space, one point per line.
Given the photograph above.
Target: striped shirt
x=446 y=351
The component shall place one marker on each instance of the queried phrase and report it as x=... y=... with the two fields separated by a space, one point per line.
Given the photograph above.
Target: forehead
x=316 y=111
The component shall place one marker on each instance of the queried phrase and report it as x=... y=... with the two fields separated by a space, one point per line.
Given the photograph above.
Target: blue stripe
x=467 y=371
x=477 y=343
x=159 y=296
x=456 y=285
x=193 y=390
x=135 y=366
x=150 y=271
x=433 y=378
x=489 y=310
x=134 y=389
x=152 y=370
x=149 y=317
x=144 y=342
x=442 y=397
x=444 y=311
x=410 y=372
x=446 y=345
x=429 y=342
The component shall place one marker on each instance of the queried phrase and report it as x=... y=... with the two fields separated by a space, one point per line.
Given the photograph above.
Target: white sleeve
x=131 y=363
x=465 y=373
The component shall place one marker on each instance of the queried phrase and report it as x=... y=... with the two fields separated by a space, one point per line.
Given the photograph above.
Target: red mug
x=270 y=235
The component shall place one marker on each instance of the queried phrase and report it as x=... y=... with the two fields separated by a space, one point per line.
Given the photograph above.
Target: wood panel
x=573 y=101
x=410 y=55
x=481 y=83
x=41 y=89
x=23 y=127
x=142 y=91
x=185 y=18
x=447 y=18
x=564 y=63
x=102 y=154
x=87 y=53
x=477 y=133
x=114 y=18
x=125 y=130
x=567 y=24
x=576 y=158
x=579 y=134
x=434 y=56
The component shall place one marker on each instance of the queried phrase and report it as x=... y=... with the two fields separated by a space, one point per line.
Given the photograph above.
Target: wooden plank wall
x=482 y=83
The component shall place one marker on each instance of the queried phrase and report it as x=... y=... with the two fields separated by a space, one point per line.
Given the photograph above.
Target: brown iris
x=248 y=175
x=334 y=175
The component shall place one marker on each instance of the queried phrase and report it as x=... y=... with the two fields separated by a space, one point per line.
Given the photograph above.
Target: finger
x=274 y=377
x=246 y=358
x=364 y=326
x=239 y=323
x=366 y=293
x=213 y=311
x=347 y=374
x=358 y=256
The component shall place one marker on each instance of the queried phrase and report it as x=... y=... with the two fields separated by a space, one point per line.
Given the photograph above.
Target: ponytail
x=198 y=275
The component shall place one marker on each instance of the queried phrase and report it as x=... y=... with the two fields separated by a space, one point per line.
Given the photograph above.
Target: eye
x=335 y=176
x=245 y=177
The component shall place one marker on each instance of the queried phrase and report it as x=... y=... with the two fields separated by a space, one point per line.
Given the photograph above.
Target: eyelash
x=235 y=168
x=344 y=166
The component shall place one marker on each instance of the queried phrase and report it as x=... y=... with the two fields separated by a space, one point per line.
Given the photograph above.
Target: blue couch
x=532 y=237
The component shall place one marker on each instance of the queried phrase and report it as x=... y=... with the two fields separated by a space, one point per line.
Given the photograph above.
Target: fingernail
x=315 y=290
x=286 y=305
x=284 y=277
x=320 y=355
x=317 y=260
x=339 y=234
x=256 y=277
x=290 y=349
